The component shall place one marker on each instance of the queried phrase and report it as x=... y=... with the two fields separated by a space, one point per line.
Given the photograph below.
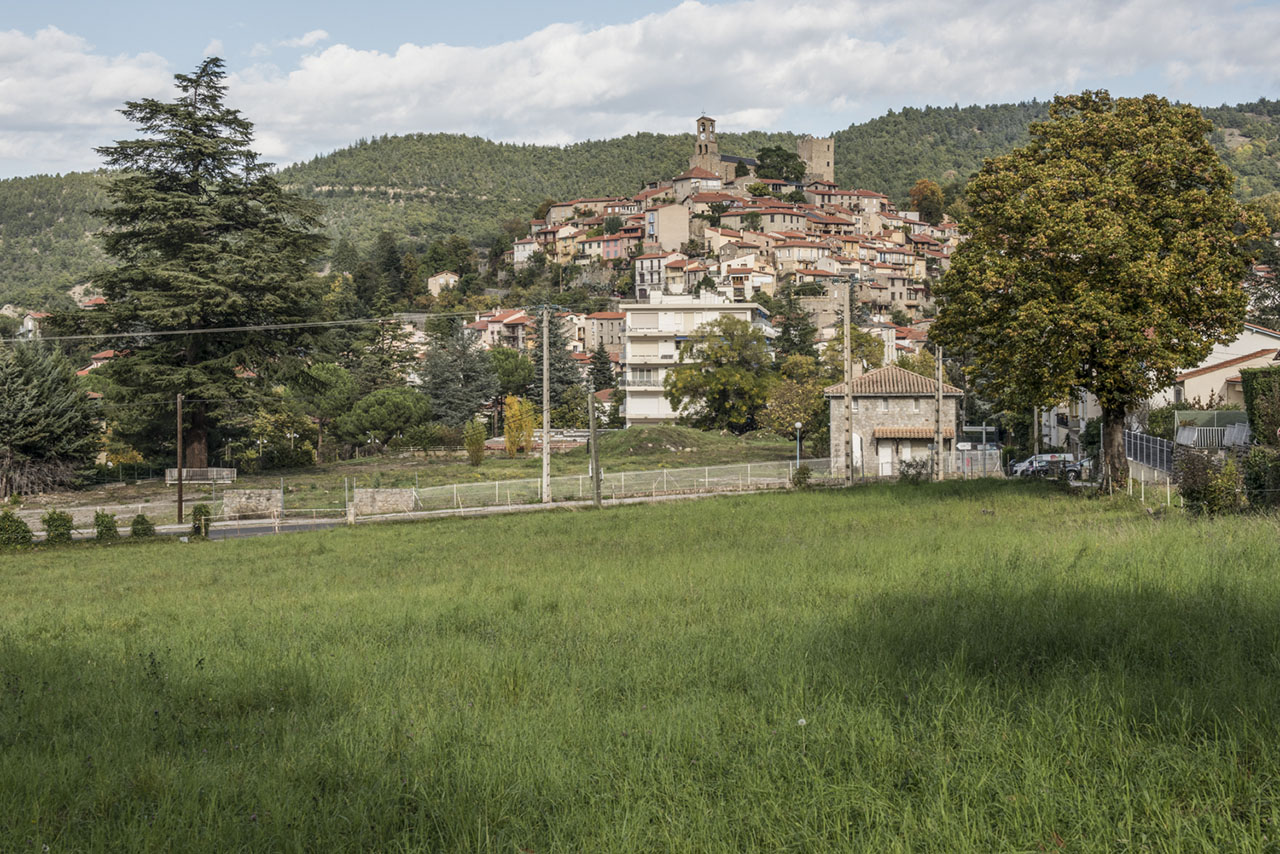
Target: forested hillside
x=945 y=144
x=426 y=186
x=46 y=243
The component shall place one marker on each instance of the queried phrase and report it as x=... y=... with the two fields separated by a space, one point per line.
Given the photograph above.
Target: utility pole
x=180 y=460
x=546 y=405
x=595 y=449
x=1035 y=431
x=847 y=403
x=937 y=427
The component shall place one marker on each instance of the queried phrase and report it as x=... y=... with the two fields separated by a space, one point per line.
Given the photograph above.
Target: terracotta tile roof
x=608 y=315
x=891 y=381
x=1209 y=369
x=911 y=433
x=696 y=172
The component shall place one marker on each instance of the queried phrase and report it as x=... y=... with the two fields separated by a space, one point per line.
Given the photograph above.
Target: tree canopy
x=776 y=162
x=49 y=429
x=721 y=382
x=1106 y=255
x=204 y=238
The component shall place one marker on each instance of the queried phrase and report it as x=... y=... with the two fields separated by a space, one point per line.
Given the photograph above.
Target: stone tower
x=819 y=156
x=706 y=150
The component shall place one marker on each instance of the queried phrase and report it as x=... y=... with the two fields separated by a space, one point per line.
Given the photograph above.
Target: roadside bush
x=200 y=520
x=435 y=435
x=104 y=526
x=1261 y=473
x=913 y=471
x=801 y=476
x=141 y=527
x=57 y=526
x=1209 y=486
x=14 y=533
x=473 y=436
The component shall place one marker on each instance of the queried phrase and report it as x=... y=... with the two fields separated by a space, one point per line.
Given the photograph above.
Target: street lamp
x=799 y=424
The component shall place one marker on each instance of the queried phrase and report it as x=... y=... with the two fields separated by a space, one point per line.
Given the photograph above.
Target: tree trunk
x=1116 y=474
x=195 y=441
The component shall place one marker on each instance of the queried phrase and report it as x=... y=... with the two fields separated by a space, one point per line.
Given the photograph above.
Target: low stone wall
x=375 y=502
x=251 y=503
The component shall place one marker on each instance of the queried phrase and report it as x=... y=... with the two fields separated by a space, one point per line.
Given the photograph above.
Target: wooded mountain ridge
x=422 y=187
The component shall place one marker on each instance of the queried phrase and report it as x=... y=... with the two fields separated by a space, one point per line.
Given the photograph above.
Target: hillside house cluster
x=717 y=226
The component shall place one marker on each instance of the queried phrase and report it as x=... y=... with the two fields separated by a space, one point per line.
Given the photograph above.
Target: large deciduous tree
x=927 y=200
x=204 y=237
x=723 y=379
x=778 y=163
x=1106 y=255
x=49 y=429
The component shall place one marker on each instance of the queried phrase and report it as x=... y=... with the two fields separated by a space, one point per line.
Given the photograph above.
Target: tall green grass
x=978 y=667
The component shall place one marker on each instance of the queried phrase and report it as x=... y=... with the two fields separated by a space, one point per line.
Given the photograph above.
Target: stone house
x=440 y=281
x=605 y=327
x=894 y=418
x=667 y=226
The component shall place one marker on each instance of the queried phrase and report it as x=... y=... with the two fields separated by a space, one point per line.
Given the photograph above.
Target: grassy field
x=971 y=666
x=322 y=487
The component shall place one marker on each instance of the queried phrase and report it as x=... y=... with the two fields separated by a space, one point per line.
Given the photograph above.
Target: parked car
x=1080 y=469
x=1040 y=464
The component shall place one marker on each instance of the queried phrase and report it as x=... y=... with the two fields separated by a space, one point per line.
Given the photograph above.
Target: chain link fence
x=1150 y=451
x=623 y=484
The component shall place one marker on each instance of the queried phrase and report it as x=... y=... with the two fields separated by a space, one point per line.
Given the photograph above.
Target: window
x=853 y=406
x=915 y=404
x=884 y=404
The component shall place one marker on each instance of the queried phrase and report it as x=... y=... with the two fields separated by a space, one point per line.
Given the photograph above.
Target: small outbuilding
x=894 y=419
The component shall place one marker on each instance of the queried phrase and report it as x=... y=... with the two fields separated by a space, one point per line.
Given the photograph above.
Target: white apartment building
x=653 y=333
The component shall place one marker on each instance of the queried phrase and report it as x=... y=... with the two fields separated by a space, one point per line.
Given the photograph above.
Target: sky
x=319 y=76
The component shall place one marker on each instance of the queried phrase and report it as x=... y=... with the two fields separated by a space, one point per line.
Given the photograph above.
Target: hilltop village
x=715 y=239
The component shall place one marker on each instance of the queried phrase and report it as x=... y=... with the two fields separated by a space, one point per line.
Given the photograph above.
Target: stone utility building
x=818 y=154
x=893 y=413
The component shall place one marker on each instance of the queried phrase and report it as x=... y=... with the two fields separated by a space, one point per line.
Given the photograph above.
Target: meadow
x=975 y=666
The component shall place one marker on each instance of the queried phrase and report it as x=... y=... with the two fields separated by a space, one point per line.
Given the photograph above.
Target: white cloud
x=806 y=65
x=59 y=99
x=310 y=39
x=214 y=48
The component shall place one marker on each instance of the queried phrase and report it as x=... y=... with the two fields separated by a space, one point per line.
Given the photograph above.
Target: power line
x=256 y=328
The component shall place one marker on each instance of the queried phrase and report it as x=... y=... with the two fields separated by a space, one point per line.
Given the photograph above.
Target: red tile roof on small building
x=893 y=381
x=1208 y=369
x=696 y=172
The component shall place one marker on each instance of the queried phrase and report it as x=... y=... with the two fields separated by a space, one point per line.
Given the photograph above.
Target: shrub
x=141 y=527
x=801 y=476
x=913 y=471
x=1209 y=486
x=473 y=436
x=57 y=526
x=1261 y=475
x=200 y=520
x=104 y=525
x=14 y=533
x=434 y=435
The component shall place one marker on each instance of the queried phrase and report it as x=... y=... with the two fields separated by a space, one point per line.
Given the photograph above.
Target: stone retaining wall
x=375 y=502
x=251 y=503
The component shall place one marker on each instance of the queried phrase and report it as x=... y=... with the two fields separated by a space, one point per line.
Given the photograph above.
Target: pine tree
x=458 y=378
x=564 y=373
x=204 y=238
x=601 y=372
x=48 y=427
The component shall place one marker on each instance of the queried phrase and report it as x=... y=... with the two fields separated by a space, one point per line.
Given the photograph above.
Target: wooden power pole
x=595 y=448
x=937 y=427
x=180 y=459
x=546 y=405
x=847 y=402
